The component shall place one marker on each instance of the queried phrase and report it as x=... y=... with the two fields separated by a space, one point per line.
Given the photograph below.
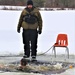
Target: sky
x=54 y=22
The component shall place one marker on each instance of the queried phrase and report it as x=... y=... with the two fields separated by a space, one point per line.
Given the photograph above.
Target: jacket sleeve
x=39 y=21
x=20 y=21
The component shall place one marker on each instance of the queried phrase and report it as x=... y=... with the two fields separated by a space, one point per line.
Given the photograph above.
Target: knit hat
x=29 y=2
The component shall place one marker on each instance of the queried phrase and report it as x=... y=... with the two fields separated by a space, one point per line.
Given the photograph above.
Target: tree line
x=41 y=3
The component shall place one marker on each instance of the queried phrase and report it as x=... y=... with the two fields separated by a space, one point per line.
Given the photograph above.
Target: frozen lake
x=54 y=22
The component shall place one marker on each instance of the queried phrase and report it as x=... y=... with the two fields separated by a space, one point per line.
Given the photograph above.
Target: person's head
x=29 y=3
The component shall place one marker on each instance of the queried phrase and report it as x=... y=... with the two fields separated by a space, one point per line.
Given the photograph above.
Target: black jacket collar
x=29 y=10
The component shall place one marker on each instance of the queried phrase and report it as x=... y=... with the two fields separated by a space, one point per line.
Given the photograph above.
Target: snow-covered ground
x=54 y=22
x=6 y=7
x=12 y=7
x=67 y=72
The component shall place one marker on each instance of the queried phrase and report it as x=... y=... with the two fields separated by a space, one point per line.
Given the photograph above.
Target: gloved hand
x=18 y=30
x=39 y=31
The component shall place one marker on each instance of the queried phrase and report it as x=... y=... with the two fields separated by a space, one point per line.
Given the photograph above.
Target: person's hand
x=39 y=31
x=18 y=30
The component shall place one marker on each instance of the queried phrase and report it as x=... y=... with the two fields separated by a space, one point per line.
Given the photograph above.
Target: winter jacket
x=25 y=25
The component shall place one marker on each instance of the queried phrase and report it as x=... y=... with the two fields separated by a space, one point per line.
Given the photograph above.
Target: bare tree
x=41 y=3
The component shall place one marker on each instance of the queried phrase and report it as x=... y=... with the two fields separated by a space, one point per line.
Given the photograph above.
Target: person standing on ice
x=31 y=22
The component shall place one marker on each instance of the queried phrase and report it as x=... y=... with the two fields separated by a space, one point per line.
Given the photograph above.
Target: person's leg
x=34 y=36
x=26 y=43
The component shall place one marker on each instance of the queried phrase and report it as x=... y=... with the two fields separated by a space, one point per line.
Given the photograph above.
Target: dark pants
x=30 y=41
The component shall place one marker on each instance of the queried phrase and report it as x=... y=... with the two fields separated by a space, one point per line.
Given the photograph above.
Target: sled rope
x=46 y=51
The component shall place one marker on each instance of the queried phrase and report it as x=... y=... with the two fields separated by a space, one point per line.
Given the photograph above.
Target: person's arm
x=40 y=22
x=20 y=22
